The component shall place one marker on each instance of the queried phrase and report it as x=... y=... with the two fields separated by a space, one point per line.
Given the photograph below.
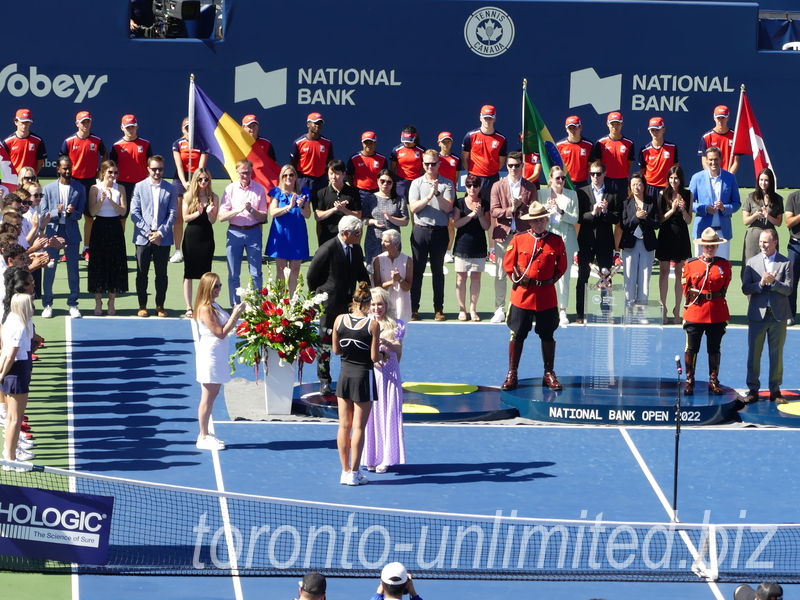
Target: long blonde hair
x=190 y=196
x=388 y=323
x=204 y=289
x=22 y=306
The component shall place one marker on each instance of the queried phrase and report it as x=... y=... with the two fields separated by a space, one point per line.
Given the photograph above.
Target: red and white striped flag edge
x=747 y=137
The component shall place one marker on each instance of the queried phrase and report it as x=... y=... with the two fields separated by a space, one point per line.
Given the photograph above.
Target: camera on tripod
x=170 y=16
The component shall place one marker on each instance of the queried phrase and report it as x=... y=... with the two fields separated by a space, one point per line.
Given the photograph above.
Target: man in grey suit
x=153 y=211
x=768 y=282
x=64 y=200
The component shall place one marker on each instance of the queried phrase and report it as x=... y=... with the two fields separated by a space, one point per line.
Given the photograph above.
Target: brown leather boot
x=714 y=386
x=514 y=354
x=549 y=357
x=690 y=358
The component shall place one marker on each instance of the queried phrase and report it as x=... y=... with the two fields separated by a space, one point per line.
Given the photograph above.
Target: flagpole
x=736 y=129
x=191 y=121
x=522 y=140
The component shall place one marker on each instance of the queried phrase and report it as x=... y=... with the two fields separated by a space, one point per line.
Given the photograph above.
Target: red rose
x=281 y=354
x=303 y=345
x=307 y=319
x=307 y=355
x=284 y=323
x=286 y=301
x=265 y=291
x=311 y=312
x=325 y=356
x=279 y=311
x=278 y=338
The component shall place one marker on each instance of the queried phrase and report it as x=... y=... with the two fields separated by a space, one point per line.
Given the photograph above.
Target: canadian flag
x=747 y=137
x=7 y=172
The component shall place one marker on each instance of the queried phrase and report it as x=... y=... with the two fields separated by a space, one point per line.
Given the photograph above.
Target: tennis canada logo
x=489 y=32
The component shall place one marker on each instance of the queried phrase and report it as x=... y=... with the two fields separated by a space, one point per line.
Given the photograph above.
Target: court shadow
x=455 y=473
x=288 y=445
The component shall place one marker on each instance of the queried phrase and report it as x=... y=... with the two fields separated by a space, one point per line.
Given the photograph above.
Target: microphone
x=678 y=364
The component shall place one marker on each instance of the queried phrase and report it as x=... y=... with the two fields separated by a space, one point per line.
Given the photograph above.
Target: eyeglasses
x=203 y=179
x=595 y=173
x=218 y=286
x=112 y=172
x=156 y=169
x=355 y=233
x=27 y=202
x=385 y=181
x=473 y=185
x=38 y=195
x=560 y=178
x=430 y=164
x=513 y=165
x=289 y=175
x=29 y=178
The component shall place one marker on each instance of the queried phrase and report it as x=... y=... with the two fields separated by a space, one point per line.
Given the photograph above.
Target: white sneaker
x=24 y=443
x=210 y=442
x=361 y=478
x=23 y=454
x=177 y=257
x=47 y=312
x=74 y=312
x=355 y=478
x=2 y=420
x=344 y=477
x=448 y=257
x=499 y=316
x=563 y=320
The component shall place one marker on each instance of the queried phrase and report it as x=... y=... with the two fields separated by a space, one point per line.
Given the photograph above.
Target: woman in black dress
x=356 y=338
x=674 y=242
x=471 y=219
x=108 y=270
x=200 y=207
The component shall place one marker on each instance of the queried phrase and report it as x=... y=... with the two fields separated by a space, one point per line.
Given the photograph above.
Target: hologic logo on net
x=63 y=86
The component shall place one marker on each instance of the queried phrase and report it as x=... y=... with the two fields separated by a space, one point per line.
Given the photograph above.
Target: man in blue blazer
x=716 y=198
x=768 y=283
x=154 y=208
x=64 y=200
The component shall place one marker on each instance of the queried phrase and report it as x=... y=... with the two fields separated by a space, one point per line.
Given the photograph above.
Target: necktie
x=348 y=253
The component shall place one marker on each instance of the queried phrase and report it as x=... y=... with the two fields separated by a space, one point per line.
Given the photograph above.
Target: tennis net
x=155 y=529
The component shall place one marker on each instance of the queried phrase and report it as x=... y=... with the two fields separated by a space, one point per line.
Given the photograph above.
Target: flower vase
x=278 y=385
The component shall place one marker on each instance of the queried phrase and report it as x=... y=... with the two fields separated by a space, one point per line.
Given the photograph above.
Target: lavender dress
x=384 y=443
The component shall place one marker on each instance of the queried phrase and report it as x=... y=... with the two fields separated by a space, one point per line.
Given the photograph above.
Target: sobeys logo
x=63 y=86
x=489 y=31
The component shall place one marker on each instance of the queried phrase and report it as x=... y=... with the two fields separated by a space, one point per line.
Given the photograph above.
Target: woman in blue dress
x=289 y=208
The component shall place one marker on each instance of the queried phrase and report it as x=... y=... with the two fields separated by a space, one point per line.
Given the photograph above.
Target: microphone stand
x=677 y=445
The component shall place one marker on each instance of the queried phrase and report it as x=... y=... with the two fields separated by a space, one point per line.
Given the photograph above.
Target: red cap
x=129 y=120
x=573 y=120
x=23 y=114
x=487 y=110
x=315 y=117
x=722 y=111
x=656 y=123
x=445 y=135
x=249 y=120
x=408 y=137
x=84 y=115
x=369 y=136
x=614 y=116
x=185 y=122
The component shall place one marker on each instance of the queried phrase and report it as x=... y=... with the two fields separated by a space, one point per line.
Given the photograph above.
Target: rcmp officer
x=705 y=283
x=534 y=261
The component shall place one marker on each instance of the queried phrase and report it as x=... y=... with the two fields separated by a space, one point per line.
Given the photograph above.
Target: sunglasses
x=513 y=165
x=29 y=178
x=26 y=203
x=112 y=172
x=218 y=286
x=560 y=178
x=203 y=179
x=595 y=173
x=38 y=195
x=289 y=175
x=385 y=181
x=430 y=164
x=156 y=169
x=473 y=185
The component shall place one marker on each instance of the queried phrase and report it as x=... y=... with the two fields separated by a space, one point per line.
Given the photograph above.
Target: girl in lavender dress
x=384 y=444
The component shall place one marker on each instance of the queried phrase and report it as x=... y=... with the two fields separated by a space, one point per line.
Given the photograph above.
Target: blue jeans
x=239 y=240
x=72 y=251
x=794 y=256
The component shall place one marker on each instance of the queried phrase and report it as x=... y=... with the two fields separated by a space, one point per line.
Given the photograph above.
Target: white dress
x=399 y=298
x=211 y=353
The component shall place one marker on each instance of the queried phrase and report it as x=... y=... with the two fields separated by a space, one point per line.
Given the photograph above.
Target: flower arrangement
x=273 y=321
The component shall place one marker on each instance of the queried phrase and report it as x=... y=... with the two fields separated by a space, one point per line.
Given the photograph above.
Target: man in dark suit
x=336 y=269
x=64 y=200
x=154 y=209
x=598 y=213
x=768 y=282
x=510 y=198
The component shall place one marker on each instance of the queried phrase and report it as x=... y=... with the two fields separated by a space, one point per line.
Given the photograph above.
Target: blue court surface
x=134 y=416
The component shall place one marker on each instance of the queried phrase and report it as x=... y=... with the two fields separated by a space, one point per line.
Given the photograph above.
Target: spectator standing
x=721 y=137
x=244 y=206
x=87 y=151
x=382 y=211
x=577 y=152
x=25 y=148
x=674 y=243
x=200 y=208
x=131 y=153
x=761 y=210
x=364 y=167
x=472 y=219
x=310 y=155
x=431 y=201
x=406 y=159
x=792 y=215
x=153 y=209
x=187 y=162
x=640 y=220
x=262 y=155
x=333 y=202
x=449 y=168
x=656 y=158
x=65 y=201
x=394 y=271
x=484 y=150
x=617 y=153
x=108 y=271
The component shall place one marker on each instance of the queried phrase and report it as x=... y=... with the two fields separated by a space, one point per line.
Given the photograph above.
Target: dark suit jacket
x=331 y=272
x=649 y=224
x=777 y=293
x=596 y=231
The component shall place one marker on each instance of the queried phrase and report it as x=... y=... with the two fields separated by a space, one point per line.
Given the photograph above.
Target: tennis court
x=135 y=418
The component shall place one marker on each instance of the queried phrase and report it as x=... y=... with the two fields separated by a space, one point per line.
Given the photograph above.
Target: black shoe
x=751 y=397
x=325 y=389
x=777 y=398
x=415 y=315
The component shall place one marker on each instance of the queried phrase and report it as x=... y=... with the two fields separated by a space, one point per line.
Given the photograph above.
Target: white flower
x=240 y=291
x=286 y=272
x=320 y=298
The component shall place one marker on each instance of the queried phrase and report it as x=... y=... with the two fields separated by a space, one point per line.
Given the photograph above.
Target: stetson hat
x=535 y=211
x=710 y=237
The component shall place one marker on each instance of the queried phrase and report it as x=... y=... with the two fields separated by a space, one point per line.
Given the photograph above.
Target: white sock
x=3 y=410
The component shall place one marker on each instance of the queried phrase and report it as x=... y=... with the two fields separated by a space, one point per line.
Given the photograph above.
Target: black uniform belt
x=700 y=296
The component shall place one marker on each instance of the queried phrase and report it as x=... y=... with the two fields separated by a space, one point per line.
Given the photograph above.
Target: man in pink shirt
x=244 y=205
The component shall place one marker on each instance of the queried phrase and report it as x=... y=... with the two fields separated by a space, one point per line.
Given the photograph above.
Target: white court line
x=226 y=520
x=74 y=578
x=663 y=499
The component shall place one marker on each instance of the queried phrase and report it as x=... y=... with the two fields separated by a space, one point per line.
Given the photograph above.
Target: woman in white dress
x=393 y=271
x=210 y=328
x=562 y=204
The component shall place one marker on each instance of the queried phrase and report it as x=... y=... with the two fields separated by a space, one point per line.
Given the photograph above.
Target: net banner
x=167 y=530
